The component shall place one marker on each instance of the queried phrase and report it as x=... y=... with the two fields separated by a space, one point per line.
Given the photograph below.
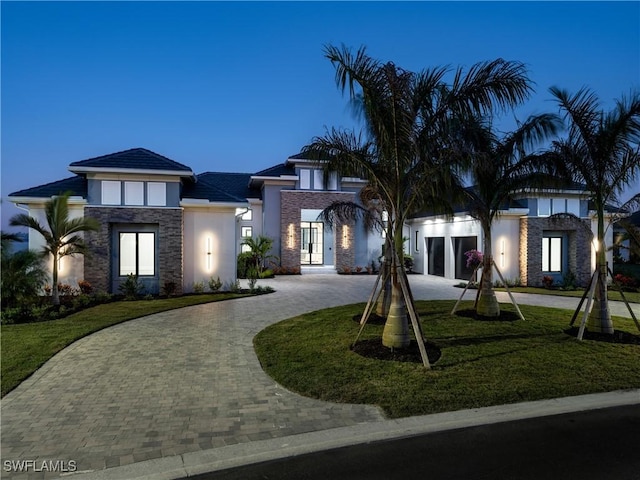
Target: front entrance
x=311 y=247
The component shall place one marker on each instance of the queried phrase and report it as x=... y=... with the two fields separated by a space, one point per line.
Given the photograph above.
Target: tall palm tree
x=601 y=150
x=403 y=150
x=61 y=233
x=498 y=167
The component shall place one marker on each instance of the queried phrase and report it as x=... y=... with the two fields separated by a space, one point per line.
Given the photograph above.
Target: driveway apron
x=183 y=381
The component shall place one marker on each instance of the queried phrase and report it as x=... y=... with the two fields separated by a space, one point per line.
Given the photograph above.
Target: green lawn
x=26 y=347
x=482 y=363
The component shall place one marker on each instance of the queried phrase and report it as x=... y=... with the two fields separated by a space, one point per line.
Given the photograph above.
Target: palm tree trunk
x=600 y=316
x=55 y=294
x=382 y=307
x=487 y=305
x=396 y=327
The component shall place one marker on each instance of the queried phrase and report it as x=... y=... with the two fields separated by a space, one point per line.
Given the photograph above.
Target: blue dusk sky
x=240 y=86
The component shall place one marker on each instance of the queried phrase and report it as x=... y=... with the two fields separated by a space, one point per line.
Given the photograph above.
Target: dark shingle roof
x=221 y=187
x=76 y=186
x=135 y=158
x=276 y=171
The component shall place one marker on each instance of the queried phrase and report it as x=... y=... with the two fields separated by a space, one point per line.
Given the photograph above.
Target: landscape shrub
x=215 y=284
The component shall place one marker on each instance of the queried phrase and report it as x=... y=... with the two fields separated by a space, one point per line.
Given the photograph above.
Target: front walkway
x=184 y=381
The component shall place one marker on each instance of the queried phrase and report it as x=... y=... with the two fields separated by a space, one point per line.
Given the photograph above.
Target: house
x=538 y=233
x=171 y=227
x=167 y=225
x=625 y=248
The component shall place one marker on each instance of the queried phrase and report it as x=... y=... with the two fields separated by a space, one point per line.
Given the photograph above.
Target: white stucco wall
x=210 y=247
x=505 y=236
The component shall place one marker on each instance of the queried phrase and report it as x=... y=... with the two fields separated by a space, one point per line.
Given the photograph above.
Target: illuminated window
x=246 y=232
x=552 y=254
x=305 y=179
x=111 y=194
x=133 y=193
x=157 y=194
x=137 y=253
x=318 y=180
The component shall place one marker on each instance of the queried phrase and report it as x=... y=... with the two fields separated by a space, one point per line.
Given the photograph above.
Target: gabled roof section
x=133 y=160
x=76 y=186
x=221 y=187
x=276 y=171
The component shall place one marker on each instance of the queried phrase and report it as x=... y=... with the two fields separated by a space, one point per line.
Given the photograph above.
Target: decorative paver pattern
x=181 y=381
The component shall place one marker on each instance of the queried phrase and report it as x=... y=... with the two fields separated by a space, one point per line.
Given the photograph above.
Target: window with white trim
x=157 y=194
x=133 y=193
x=318 y=180
x=111 y=192
x=305 y=179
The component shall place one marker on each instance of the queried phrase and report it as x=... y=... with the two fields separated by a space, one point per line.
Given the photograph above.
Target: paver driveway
x=179 y=381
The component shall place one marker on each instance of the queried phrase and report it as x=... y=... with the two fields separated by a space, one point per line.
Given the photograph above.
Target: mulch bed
x=503 y=317
x=618 y=336
x=373 y=348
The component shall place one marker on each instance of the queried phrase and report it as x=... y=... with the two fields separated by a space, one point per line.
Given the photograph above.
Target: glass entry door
x=311 y=248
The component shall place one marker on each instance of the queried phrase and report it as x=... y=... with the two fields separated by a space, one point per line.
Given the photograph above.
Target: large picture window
x=552 y=254
x=137 y=253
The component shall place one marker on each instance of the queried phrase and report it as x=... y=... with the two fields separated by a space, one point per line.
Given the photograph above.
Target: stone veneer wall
x=97 y=264
x=291 y=204
x=579 y=254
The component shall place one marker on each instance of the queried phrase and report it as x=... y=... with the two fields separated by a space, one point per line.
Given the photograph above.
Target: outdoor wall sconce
x=502 y=244
x=345 y=236
x=290 y=236
x=209 y=260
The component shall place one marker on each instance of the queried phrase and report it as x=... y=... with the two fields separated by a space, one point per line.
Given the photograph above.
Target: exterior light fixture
x=209 y=260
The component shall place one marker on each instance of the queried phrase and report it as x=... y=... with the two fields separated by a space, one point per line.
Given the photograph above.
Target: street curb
x=195 y=463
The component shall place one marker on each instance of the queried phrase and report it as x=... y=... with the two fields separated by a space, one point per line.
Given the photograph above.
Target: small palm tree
x=23 y=273
x=403 y=151
x=601 y=151
x=498 y=167
x=259 y=248
x=61 y=234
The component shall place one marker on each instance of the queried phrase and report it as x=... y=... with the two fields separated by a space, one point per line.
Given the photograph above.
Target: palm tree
x=259 y=248
x=601 y=150
x=61 y=234
x=23 y=273
x=498 y=167
x=404 y=150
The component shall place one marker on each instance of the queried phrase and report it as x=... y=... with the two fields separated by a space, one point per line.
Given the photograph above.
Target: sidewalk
x=187 y=384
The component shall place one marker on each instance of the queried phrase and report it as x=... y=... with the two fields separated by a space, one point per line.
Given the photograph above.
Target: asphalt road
x=599 y=445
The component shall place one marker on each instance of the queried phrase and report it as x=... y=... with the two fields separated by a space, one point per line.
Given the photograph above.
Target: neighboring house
x=528 y=242
x=167 y=225
x=621 y=239
x=162 y=222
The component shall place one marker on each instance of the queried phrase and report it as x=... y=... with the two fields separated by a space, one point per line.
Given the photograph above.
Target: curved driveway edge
x=165 y=386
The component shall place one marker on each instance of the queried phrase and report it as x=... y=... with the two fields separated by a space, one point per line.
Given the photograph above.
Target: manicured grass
x=483 y=362
x=632 y=297
x=26 y=347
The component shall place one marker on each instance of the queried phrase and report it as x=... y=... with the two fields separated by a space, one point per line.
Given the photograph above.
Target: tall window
x=137 y=253
x=552 y=254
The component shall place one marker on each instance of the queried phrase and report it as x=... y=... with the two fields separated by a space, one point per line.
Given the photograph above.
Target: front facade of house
x=175 y=229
